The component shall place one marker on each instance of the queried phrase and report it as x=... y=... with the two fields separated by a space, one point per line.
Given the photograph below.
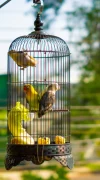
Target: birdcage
x=38 y=99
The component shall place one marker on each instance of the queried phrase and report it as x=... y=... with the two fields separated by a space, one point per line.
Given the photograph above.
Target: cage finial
x=38 y=23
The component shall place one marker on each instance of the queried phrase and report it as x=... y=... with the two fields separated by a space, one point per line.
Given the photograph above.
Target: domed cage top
x=38 y=100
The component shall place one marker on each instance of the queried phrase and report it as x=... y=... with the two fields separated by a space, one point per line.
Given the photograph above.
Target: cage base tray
x=11 y=161
x=66 y=160
x=38 y=154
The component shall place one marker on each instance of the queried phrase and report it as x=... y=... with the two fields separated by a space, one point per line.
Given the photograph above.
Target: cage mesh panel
x=52 y=55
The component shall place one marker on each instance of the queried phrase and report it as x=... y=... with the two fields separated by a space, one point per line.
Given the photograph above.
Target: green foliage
x=30 y=176
x=94 y=167
x=81 y=156
x=3 y=119
x=97 y=148
x=3 y=114
x=3 y=132
x=3 y=142
x=80 y=112
x=88 y=90
x=61 y=173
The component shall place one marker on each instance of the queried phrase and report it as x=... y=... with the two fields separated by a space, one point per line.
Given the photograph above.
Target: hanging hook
x=35 y=2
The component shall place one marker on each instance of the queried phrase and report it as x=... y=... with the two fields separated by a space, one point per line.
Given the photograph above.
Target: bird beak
x=25 y=88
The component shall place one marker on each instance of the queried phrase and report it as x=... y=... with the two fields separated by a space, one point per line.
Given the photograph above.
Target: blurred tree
x=58 y=173
x=88 y=89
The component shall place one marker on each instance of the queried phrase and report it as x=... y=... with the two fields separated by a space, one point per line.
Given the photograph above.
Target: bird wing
x=46 y=102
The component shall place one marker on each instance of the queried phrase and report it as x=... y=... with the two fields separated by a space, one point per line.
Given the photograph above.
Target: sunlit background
x=78 y=23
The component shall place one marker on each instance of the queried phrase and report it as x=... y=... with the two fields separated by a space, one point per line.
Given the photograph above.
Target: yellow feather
x=15 y=116
x=22 y=58
x=32 y=97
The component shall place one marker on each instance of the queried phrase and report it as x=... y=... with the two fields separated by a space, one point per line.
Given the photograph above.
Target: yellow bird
x=22 y=59
x=32 y=97
x=15 y=116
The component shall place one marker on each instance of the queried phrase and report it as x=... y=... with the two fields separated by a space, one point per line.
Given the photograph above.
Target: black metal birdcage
x=38 y=99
